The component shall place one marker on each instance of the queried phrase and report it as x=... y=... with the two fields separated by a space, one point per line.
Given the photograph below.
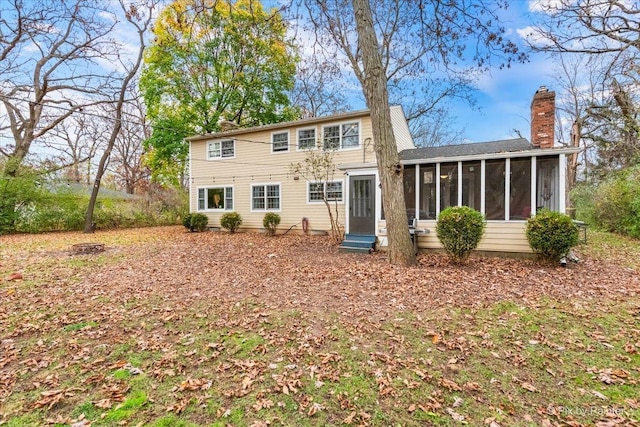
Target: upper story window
x=306 y=139
x=346 y=135
x=221 y=149
x=280 y=142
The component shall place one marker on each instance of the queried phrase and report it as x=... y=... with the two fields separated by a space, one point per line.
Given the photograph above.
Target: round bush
x=551 y=234
x=186 y=221
x=231 y=221
x=270 y=222
x=459 y=229
x=195 y=221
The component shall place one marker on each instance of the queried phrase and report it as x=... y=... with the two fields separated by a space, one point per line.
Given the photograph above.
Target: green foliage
x=582 y=196
x=31 y=204
x=617 y=203
x=232 y=60
x=270 y=222
x=195 y=221
x=17 y=195
x=459 y=229
x=551 y=234
x=231 y=221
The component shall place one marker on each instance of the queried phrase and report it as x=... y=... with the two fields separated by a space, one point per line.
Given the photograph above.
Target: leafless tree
x=127 y=163
x=404 y=40
x=609 y=31
x=140 y=17
x=51 y=65
x=588 y=27
x=315 y=92
x=75 y=143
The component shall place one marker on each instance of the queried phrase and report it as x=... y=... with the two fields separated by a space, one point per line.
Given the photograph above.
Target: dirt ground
x=294 y=271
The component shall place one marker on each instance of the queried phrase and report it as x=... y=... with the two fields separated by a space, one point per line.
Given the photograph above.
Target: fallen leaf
x=14 y=276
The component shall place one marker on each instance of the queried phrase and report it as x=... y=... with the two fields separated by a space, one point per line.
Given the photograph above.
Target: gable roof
x=404 y=139
x=281 y=125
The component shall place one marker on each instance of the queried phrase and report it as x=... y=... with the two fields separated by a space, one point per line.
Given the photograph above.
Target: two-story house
x=249 y=171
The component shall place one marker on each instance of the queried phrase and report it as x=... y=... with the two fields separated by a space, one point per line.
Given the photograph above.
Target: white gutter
x=539 y=152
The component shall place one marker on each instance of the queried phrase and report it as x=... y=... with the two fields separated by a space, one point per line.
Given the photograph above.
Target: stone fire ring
x=87 y=248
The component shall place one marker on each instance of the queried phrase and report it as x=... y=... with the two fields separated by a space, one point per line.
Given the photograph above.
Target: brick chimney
x=543 y=112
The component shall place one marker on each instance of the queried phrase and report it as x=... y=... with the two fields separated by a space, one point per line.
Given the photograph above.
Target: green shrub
x=18 y=196
x=459 y=229
x=582 y=196
x=231 y=221
x=195 y=221
x=186 y=221
x=617 y=203
x=270 y=222
x=551 y=234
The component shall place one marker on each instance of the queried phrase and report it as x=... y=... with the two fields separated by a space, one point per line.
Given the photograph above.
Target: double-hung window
x=265 y=197
x=221 y=149
x=215 y=198
x=306 y=139
x=332 y=190
x=346 y=135
x=331 y=140
x=280 y=142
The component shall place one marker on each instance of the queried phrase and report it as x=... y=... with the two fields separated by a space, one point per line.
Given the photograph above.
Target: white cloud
x=533 y=36
x=546 y=6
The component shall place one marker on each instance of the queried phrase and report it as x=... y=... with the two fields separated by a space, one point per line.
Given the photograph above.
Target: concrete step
x=354 y=250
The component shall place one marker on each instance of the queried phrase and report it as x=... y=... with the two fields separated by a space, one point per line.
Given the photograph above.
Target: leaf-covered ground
x=172 y=328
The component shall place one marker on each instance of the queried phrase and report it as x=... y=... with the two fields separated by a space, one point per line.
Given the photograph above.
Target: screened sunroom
x=507 y=181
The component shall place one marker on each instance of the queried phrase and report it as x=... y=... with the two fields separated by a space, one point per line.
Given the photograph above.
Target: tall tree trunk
x=572 y=172
x=132 y=14
x=376 y=94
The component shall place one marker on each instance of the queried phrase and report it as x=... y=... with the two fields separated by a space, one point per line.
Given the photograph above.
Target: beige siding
x=255 y=164
x=404 y=140
x=498 y=237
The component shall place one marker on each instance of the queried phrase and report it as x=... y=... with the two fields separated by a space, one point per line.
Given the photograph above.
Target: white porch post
x=437 y=189
x=562 y=184
x=417 y=187
x=459 y=183
x=507 y=189
x=534 y=185
x=482 y=185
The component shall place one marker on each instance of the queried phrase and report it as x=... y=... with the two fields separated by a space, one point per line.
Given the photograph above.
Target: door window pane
x=409 y=182
x=548 y=184
x=520 y=189
x=494 y=189
x=471 y=184
x=428 y=192
x=448 y=185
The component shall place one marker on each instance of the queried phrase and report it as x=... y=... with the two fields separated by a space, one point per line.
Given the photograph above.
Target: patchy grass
x=138 y=339
x=613 y=247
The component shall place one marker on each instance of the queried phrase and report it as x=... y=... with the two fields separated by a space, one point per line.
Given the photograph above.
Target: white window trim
x=206 y=187
x=288 y=141
x=264 y=184
x=315 y=138
x=220 y=141
x=320 y=202
x=340 y=124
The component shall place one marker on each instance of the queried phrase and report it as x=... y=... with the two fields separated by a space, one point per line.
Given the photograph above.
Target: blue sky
x=504 y=96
